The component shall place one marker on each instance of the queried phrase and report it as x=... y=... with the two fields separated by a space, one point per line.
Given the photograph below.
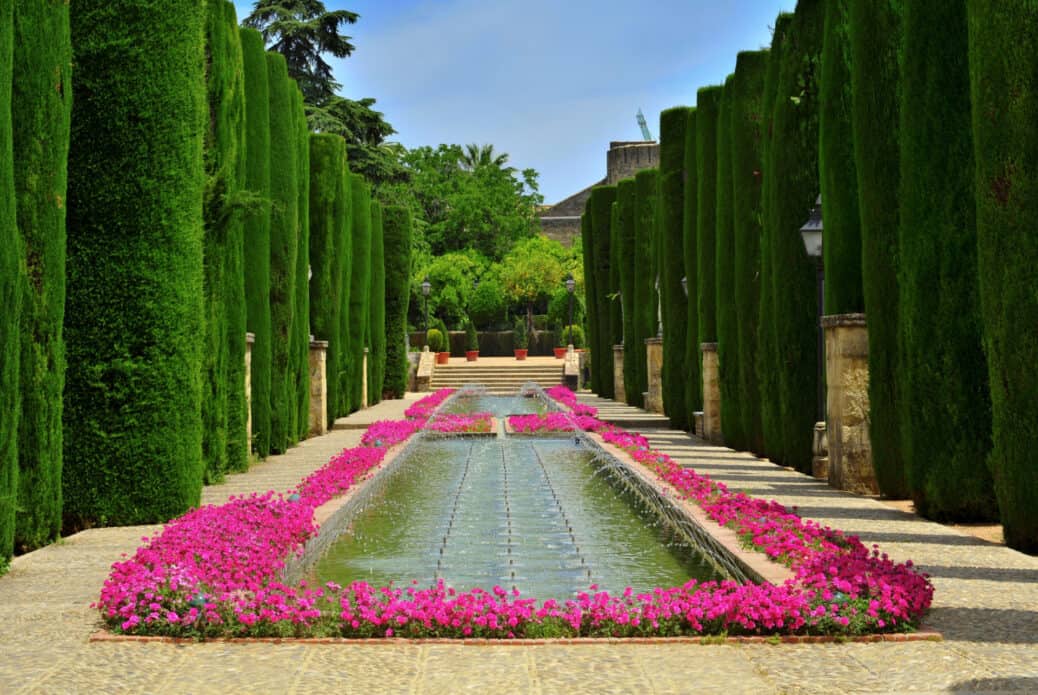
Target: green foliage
x=377 y=294
x=626 y=199
x=673 y=123
x=616 y=316
x=436 y=340
x=133 y=321
x=1003 y=54
x=838 y=173
x=876 y=33
x=343 y=275
x=689 y=247
x=590 y=286
x=40 y=106
x=360 y=286
x=257 y=233
x=645 y=268
x=793 y=158
x=471 y=337
x=487 y=304
x=747 y=174
x=10 y=293
x=521 y=336
x=573 y=335
x=300 y=369
x=601 y=201
x=452 y=277
x=396 y=232
x=708 y=105
x=365 y=131
x=558 y=307
x=942 y=373
x=531 y=271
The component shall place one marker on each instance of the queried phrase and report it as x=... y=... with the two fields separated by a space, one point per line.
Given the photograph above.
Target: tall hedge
x=40 y=107
x=708 y=102
x=689 y=247
x=1004 y=82
x=837 y=172
x=590 y=291
x=645 y=268
x=10 y=295
x=616 y=310
x=747 y=107
x=943 y=377
x=626 y=200
x=360 y=285
x=377 y=322
x=769 y=358
x=396 y=240
x=133 y=320
x=234 y=279
x=301 y=314
x=343 y=272
x=876 y=34
x=673 y=123
x=257 y=233
x=284 y=251
x=602 y=198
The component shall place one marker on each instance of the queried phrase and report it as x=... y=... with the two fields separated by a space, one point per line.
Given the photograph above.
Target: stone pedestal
x=364 y=380
x=654 y=360
x=318 y=387
x=847 y=402
x=571 y=369
x=619 y=394
x=820 y=452
x=250 y=339
x=711 y=394
x=426 y=364
x=697 y=422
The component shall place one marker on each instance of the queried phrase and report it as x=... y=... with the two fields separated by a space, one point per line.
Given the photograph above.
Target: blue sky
x=550 y=82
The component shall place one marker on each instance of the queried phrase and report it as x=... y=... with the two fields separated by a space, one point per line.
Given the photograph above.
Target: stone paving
x=986 y=605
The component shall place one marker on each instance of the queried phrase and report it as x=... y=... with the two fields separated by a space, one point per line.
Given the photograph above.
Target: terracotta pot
x=520 y=354
x=560 y=353
x=442 y=357
x=471 y=355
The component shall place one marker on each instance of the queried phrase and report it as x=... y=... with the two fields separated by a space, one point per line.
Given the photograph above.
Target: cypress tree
x=794 y=164
x=359 y=285
x=672 y=264
x=1004 y=87
x=396 y=235
x=344 y=272
x=645 y=268
x=133 y=324
x=769 y=359
x=724 y=267
x=693 y=362
x=10 y=294
x=876 y=32
x=590 y=291
x=708 y=106
x=378 y=305
x=301 y=315
x=284 y=239
x=257 y=233
x=836 y=168
x=626 y=199
x=946 y=413
x=234 y=259
x=747 y=105
x=40 y=108
x=601 y=200
x=616 y=311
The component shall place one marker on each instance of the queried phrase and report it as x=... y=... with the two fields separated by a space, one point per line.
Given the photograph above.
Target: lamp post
x=426 y=286
x=811 y=234
x=571 y=285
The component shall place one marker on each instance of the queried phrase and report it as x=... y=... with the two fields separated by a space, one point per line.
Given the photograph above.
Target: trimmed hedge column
x=284 y=239
x=689 y=243
x=707 y=110
x=343 y=271
x=1003 y=58
x=724 y=267
x=747 y=106
x=616 y=310
x=10 y=295
x=133 y=438
x=396 y=239
x=602 y=198
x=876 y=31
x=626 y=199
x=942 y=373
x=377 y=293
x=794 y=164
x=672 y=263
x=257 y=233
x=645 y=268
x=301 y=313
x=360 y=285
x=40 y=106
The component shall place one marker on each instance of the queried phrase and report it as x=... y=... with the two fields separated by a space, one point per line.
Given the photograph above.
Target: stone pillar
x=318 y=387
x=250 y=338
x=426 y=364
x=847 y=402
x=711 y=394
x=619 y=394
x=571 y=369
x=654 y=362
x=364 y=381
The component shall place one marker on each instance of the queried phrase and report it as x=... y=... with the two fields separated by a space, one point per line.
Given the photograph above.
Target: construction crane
x=646 y=135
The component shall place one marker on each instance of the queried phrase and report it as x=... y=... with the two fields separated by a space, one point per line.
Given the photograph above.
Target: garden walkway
x=986 y=605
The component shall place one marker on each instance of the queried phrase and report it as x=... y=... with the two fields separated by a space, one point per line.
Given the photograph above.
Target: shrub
x=377 y=308
x=627 y=199
x=601 y=202
x=573 y=335
x=645 y=265
x=521 y=336
x=40 y=108
x=396 y=232
x=708 y=105
x=590 y=286
x=558 y=307
x=487 y=303
x=471 y=337
x=344 y=274
x=689 y=247
x=434 y=337
x=360 y=285
x=616 y=313
x=133 y=323
x=300 y=370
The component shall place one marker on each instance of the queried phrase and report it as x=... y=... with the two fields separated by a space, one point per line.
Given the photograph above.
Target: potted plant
x=436 y=344
x=560 y=344
x=573 y=335
x=471 y=342
x=522 y=339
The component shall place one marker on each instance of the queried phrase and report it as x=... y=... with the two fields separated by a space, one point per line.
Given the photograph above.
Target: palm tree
x=479 y=156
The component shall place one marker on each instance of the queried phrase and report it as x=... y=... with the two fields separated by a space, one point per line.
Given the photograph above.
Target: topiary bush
x=689 y=247
x=646 y=299
x=573 y=335
x=377 y=310
x=396 y=233
x=300 y=371
x=626 y=198
x=360 y=285
x=437 y=343
x=601 y=201
x=344 y=275
x=521 y=337
x=708 y=106
x=471 y=338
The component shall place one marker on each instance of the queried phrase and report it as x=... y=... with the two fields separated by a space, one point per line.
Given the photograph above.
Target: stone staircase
x=500 y=375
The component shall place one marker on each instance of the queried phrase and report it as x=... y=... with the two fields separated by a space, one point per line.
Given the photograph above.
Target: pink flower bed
x=214 y=571
x=552 y=422
x=424 y=408
x=569 y=399
x=461 y=424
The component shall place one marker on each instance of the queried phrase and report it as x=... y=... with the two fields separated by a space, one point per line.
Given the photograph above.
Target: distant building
x=624 y=159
